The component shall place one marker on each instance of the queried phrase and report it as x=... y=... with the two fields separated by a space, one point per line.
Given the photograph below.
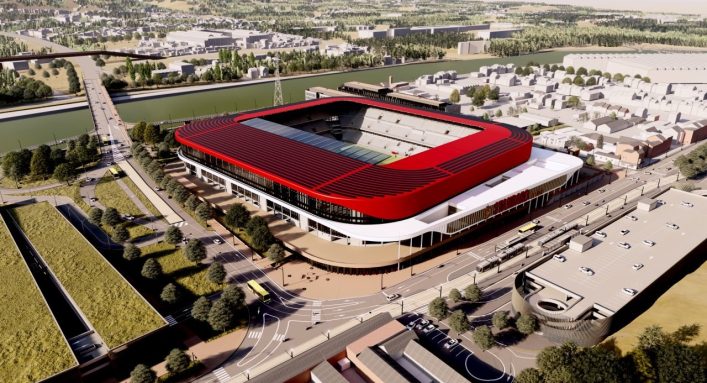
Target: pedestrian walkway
x=167 y=212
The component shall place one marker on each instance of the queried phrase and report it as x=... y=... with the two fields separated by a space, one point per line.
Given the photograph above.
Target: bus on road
x=115 y=171
x=258 y=290
x=530 y=227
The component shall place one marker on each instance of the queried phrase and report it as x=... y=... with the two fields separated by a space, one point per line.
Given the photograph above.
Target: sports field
x=117 y=312
x=32 y=347
x=683 y=304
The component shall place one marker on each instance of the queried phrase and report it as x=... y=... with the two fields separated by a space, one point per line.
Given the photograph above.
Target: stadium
x=359 y=172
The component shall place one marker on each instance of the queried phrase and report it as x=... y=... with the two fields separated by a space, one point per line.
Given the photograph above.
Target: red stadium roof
x=393 y=191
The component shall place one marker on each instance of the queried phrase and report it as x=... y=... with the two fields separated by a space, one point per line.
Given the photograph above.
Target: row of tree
x=534 y=39
x=44 y=162
x=15 y=88
x=479 y=94
x=177 y=363
x=694 y=163
x=659 y=357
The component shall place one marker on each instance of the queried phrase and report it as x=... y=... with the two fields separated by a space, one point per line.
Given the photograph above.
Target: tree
x=459 y=322
x=259 y=233
x=195 y=251
x=120 y=234
x=499 y=113
x=578 y=80
x=137 y=133
x=608 y=166
x=526 y=324
x=569 y=70
x=200 y=309
x=494 y=93
x=151 y=269
x=221 y=315
x=191 y=203
x=591 y=81
x=582 y=71
x=62 y=173
x=573 y=101
x=472 y=293
x=529 y=375
x=216 y=272
x=94 y=215
x=483 y=337
x=203 y=211
x=567 y=80
x=454 y=97
x=646 y=79
x=618 y=77
x=142 y=374
x=590 y=160
x=173 y=235
x=170 y=294
x=478 y=99
x=500 y=319
x=151 y=135
x=41 y=163
x=234 y=295
x=276 y=253
x=177 y=361
x=131 y=252
x=438 y=308
x=111 y=217
x=237 y=216
x=454 y=295
x=600 y=141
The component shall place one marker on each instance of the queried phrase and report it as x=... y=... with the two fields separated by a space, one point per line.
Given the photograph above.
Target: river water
x=43 y=129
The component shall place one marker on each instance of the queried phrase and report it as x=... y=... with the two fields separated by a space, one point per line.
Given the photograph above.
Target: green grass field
x=72 y=191
x=684 y=303
x=31 y=345
x=145 y=201
x=110 y=194
x=114 y=309
x=190 y=276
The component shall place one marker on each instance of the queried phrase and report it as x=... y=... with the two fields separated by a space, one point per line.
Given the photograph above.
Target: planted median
x=32 y=347
x=111 y=305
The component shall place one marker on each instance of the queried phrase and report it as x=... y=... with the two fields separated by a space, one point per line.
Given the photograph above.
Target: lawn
x=684 y=303
x=117 y=312
x=32 y=347
x=72 y=191
x=110 y=194
x=174 y=265
x=8 y=183
x=141 y=196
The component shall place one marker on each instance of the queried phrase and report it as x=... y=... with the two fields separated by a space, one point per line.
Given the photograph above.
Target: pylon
x=277 y=97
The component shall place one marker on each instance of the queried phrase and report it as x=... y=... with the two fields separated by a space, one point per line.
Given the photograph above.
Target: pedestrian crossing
x=279 y=338
x=180 y=224
x=317 y=303
x=222 y=375
x=170 y=320
x=254 y=334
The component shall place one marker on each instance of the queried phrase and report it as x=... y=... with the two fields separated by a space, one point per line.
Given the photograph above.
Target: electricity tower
x=277 y=97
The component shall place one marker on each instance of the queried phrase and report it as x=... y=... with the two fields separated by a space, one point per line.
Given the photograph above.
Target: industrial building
x=686 y=68
x=362 y=172
x=595 y=286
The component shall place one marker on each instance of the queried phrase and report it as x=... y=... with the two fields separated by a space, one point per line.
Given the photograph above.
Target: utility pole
x=277 y=97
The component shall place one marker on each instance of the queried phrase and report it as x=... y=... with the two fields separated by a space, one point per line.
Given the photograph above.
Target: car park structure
x=597 y=288
x=360 y=172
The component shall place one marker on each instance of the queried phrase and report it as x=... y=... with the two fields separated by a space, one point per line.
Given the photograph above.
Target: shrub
x=438 y=308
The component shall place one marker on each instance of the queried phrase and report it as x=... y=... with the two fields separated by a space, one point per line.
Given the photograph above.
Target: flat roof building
x=578 y=295
x=688 y=68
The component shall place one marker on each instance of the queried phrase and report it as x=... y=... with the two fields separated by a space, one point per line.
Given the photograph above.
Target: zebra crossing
x=180 y=224
x=222 y=375
x=279 y=337
x=170 y=320
x=254 y=334
x=317 y=303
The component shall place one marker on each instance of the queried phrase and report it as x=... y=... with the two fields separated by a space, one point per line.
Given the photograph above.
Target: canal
x=45 y=129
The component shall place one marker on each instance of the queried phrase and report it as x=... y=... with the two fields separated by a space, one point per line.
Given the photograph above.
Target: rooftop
x=612 y=264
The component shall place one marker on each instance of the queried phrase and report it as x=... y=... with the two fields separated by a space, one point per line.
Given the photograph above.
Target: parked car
x=586 y=270
x=624 y=245
x=217 y=241
x=637 y=266
x=422 y=324
x=559 y=257
x=625 y=231
x=633 y=218
x=586 y=203
x=648 y=243
x=450 y=343
x=599 y=233
x=429 y=328
x=686 y=204
x=568 y=206
x=629 y=291
x=672 y=225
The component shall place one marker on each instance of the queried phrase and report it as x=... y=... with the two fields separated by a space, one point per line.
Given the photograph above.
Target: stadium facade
x=364 y=172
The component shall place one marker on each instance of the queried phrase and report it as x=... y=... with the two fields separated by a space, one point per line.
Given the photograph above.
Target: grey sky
x=679 y=6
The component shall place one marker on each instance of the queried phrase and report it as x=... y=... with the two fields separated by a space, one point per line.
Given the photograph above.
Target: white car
x=625 y=231
x=624 y=245
x=672 y=225
x=450 y=343
x=429 y=328
x=648 y=242
x=217 y=241
x=586 y=270
x=559 y=257
x=422 y=324
x=637 y=266
x=600 y=234
x=629 y=291
x=392 y=297
x=568 y=206
x=686 y=204
x=586 y=203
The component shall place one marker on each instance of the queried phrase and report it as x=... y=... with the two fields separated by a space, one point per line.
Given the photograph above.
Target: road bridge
x=79 y=54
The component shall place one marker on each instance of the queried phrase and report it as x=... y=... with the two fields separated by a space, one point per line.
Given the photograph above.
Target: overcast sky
x=679 y=6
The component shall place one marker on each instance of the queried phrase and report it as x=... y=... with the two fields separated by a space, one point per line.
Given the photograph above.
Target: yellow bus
x=115 y=171
x=262 y=294
x=529 y=227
